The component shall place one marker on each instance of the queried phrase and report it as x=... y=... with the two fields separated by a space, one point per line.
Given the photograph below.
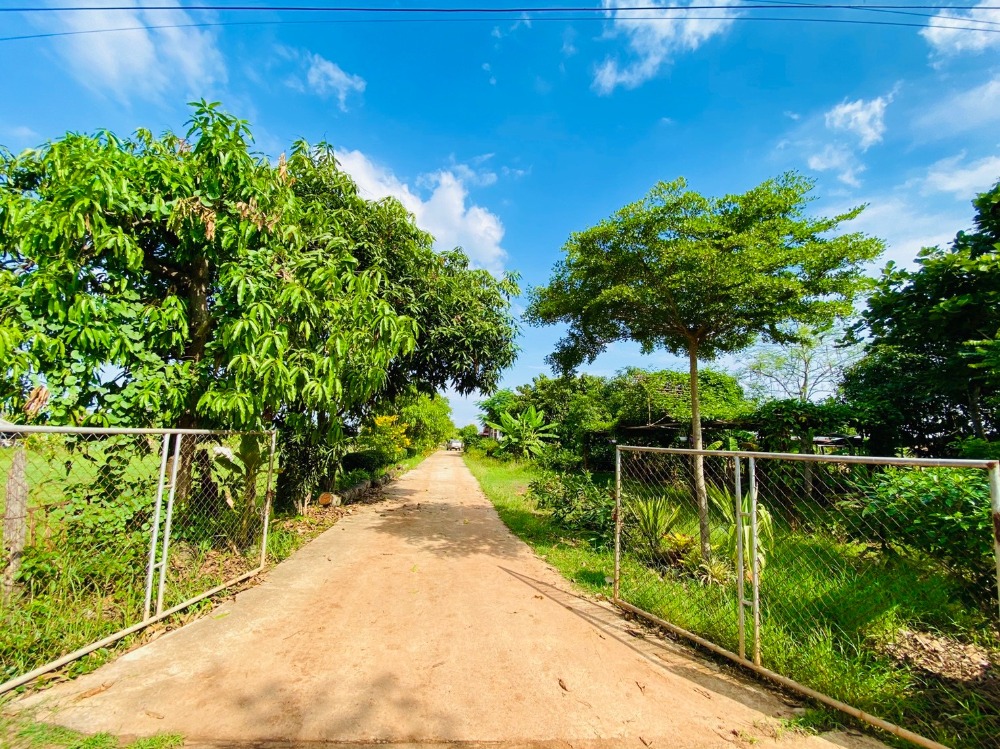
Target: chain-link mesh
x=105 y=531
x=875 y=584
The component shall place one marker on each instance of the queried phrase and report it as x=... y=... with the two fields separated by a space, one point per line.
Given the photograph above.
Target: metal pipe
x=863 y=459
x=740 y=592
x=754 y=561
x=786 y=682
x=267 y=498
x=166 y=526
x=155 y=528
x=616 y=587
x=27 y=429
x=995 y=511
x=111 y=639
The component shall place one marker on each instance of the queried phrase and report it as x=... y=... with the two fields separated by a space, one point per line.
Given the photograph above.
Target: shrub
x=352 y=478
x=577 y=503
x=555 y=458
x=941 y=512
x=386 y=438
x=654 y=517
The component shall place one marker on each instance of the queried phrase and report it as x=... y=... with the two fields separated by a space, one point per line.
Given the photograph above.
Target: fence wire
x=872 y=584
x=105 y=532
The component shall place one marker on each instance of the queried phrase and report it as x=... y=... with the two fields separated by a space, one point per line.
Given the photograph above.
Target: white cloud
x=906 y=225
x=840 y=159
x=950 y=33
x=865 y=119
x=144 y=61
x=489 y=71
x=326 y=78
x=652 y=43
x=20 y=133
x=964 y=111
x=963 y=180
x=445 y=212
x=794 y=116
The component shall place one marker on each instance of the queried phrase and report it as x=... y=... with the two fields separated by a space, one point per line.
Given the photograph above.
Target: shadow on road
x=663 y=654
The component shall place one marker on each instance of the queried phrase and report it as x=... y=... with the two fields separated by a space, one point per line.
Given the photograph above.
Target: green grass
x=506 y=485
x=23 y=732
x=78 y=598
x=828 y=609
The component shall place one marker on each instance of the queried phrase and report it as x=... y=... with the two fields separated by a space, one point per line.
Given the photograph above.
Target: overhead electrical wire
x=549 y=13
x=500 y=10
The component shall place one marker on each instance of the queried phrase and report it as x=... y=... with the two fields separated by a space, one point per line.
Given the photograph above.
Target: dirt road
x=419 y=620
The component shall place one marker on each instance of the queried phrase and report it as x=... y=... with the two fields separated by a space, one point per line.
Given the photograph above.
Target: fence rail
x=869 y=584
x=106 y=531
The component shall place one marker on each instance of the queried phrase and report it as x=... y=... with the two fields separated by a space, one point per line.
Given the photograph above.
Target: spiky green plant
x=654 y=519
x=725 y=504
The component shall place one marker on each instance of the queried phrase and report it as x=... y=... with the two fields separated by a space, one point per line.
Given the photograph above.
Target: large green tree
x=187 y=281
x=701 y=276
x=929 y=374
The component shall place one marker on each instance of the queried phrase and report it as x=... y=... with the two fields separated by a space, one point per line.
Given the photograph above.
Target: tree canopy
x=702 y=276
x=928 y=374
x=187 y=281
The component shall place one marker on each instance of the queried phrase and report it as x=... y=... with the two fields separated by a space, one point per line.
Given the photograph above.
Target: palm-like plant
x=725 y=504
x=524 y=434
x=654 y=519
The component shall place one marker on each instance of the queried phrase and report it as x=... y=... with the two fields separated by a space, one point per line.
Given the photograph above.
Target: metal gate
x=107 y=531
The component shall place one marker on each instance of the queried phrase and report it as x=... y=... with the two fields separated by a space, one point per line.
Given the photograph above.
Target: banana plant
x=524 y=434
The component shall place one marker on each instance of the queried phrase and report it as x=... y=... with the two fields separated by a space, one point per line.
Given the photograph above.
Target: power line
x=483 y=19
x=444 y=10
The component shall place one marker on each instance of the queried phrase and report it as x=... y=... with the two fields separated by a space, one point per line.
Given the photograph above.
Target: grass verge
x=506 y=486
x=22 y=732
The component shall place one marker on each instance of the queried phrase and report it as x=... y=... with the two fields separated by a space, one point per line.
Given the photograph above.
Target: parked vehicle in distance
x=455 y=445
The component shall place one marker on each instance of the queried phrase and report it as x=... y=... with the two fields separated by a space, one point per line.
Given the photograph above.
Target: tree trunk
x=199 y=325
x=15 y=517
x=975 y=410
x=701 y=493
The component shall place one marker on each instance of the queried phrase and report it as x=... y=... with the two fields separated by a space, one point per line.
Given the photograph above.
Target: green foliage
x=469 y=434
x=724 y=503
x=352 y=478
x=790 y=425
x=637 y=396
x=384 y=437
x=688 y=273
x=928 y=376
x=653 y=518
x=577 y=503
x=976 y=449
x=941 y=512
x=524 y=434
x=501 y=402
x=427 y=420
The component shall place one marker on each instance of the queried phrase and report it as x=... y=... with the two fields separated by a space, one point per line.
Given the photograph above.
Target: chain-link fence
x=107 y=531
x=871 y=582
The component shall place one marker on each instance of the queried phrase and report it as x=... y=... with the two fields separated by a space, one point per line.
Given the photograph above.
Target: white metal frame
x=159 y=545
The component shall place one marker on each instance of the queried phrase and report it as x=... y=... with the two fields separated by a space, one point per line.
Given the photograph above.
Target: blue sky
x=503 y=135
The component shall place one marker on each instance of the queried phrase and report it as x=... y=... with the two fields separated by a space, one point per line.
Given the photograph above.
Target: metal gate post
x=754 y=561
x=166 y=527
x=995 y=507
x=267 y=499
x=741 y=601
x=616 y=588
x=154 y=531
